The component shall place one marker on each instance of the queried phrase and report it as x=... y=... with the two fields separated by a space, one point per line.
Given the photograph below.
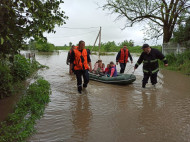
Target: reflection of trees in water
x=148 y=116
x=81 y=115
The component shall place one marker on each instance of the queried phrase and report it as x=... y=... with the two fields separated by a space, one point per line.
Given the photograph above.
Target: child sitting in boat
x=100 y=68
x=107 y=69
x=113 y=70
x=103 y=67
x=96 y=66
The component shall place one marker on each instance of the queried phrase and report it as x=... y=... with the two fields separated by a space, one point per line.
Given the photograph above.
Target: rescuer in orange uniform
x=122 y=58
x=81 y=58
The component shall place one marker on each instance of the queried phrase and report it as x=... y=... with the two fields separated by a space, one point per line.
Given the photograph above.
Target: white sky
x=86 y=14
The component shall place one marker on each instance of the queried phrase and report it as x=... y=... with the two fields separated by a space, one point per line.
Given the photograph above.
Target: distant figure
x=81 y=58
x=69 y=57
x=150 y=57
x=88 y=50
x=113 y=70
x=122 y=58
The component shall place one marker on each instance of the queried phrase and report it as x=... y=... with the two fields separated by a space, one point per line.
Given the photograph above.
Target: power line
x=74 y=35
x=76 y=28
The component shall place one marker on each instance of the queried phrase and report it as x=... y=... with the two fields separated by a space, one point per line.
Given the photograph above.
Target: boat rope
x=129 y=68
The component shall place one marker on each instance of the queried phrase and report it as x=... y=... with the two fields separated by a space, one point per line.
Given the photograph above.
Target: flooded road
x=112 y=113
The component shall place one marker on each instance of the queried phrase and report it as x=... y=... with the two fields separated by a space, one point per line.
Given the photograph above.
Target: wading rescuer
x=81 y=58
x=150 y=57
x=69 y=55
x=122 y=58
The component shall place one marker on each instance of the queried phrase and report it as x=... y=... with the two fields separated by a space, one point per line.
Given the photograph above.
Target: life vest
x=123 y=55
x=76 y=47
x=115 y=72
x=80 y=61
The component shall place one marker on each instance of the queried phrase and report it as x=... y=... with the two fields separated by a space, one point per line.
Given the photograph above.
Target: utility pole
x=98 y=36
x=99 y=42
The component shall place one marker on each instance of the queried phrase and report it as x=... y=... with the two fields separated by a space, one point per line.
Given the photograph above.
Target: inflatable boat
x=120 y=79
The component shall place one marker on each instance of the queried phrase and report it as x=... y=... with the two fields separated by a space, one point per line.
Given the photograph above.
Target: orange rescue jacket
x=79 y=62
x=124 y=55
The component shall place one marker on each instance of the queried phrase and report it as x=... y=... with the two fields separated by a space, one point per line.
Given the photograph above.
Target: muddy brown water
x=113 y=113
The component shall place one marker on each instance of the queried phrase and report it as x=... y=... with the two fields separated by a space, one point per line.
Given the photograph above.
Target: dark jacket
x=68 y=58
x=150 y=61
x=119 y=54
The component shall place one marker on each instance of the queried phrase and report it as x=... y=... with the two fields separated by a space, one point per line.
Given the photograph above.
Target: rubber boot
x=84 y=85
x=143 y=85
x=79 y=89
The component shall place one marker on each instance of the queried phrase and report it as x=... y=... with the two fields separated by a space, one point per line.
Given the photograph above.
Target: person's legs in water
x=153 y=78
x=79 y=80
x=122 y=66
x=145 y=79
x=86 y=78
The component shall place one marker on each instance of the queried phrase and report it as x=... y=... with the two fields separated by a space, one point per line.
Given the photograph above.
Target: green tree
x=23 y=19
x=70 y=44
x=161 y=15
x=109 y=45
x=41 y=45
x=182 y=33
x=129 y=43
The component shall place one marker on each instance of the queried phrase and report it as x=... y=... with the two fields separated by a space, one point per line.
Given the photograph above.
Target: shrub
x=20 y=124
x=179 y=62
x=21 y=68
x=5 y=80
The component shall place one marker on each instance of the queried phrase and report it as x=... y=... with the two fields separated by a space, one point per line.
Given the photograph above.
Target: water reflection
x=148 y=117
x=81 y=117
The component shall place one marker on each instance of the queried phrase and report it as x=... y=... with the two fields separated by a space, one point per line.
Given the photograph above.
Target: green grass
x=20 y=124
x=179 y=62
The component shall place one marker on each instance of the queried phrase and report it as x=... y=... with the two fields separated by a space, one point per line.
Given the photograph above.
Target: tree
x=109 y=45
x=129 y=43
x=70 y=44
x=21 y=20
x=182 y=34
x=161 y=15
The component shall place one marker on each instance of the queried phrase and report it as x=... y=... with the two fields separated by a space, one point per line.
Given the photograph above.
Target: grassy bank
x=11 y=73
x=20 y=124
x=179 y=62
x=134 y=49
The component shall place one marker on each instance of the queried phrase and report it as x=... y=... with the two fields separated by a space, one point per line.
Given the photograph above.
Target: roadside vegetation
x=12 y=73
x=20 y=124
x=40 y=45
x=179 y=62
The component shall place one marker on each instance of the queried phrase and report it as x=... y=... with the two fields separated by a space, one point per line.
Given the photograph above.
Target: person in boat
x=122 y=58
x=103 y=67
x=112 y=70
x=82 y=61
x=150 y=57
x=96 y=66
x=107 y=69
x=100 y=69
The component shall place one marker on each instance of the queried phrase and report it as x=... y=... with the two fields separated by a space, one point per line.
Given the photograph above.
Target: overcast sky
x=85 y=19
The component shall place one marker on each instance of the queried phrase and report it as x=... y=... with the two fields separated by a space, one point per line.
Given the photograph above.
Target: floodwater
x=113 y=113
